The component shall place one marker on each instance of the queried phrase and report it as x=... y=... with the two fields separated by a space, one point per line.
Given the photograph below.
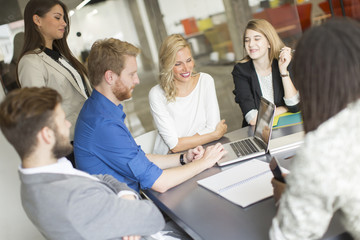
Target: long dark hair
x=34 y=39
x=327 y=70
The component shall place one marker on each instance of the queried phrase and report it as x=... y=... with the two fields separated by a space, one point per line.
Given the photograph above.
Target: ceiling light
x=83 y=3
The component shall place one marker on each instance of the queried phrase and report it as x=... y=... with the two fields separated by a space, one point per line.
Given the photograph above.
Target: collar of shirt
x=108 y=106
x=52 y=53
x=62 y=166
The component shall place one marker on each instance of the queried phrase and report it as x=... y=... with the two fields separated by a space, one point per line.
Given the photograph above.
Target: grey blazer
x=64 y=206
x=40 y=70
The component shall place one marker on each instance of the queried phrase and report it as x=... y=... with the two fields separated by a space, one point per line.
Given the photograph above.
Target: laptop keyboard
x=243 y=147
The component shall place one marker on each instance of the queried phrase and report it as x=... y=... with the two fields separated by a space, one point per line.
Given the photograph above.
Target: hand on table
x=213 y=154
x=194 y=154
x=221 y=129
x=253 y=121
x=281 y=110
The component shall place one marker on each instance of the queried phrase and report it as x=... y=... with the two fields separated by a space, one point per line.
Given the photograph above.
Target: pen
x=292 y=50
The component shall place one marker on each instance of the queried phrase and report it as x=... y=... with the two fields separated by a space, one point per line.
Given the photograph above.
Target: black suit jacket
x=247 y=88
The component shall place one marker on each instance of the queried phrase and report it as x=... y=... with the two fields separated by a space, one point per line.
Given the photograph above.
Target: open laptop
x=256 y=145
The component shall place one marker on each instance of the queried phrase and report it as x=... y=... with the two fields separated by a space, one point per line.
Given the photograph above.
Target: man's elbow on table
x=160 y=185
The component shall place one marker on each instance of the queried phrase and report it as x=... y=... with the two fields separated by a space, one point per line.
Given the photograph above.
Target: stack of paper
x=244 y=184
x=286 y=142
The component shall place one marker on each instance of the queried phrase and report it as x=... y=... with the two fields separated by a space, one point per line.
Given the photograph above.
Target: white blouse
x=186 y=116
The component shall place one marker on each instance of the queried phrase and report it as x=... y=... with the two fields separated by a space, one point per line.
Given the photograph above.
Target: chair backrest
x=284 y=19
x=351 y=7
x=147 y=141
x=304 y=11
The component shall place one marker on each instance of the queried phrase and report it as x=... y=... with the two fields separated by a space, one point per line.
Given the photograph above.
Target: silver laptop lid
x=264 y=122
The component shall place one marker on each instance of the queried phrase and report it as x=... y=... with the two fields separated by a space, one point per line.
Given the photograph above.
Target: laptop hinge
x=260 y=142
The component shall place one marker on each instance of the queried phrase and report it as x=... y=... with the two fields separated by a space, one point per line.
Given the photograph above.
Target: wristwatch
x=285 y=75
x=182 y=162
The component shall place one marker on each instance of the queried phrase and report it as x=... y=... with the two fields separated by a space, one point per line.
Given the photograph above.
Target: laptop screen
x=264 y=120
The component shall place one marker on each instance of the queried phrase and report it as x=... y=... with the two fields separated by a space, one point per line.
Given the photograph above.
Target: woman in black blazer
x=264 y=72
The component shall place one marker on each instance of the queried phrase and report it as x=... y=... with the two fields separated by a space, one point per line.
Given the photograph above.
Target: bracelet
x=284 y=75
x=182 y=162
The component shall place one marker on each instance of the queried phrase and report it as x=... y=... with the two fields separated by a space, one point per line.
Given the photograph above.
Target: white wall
x=113 y=19
x=148 y=31
x=7 y=33
x=14 y=224
x=6 y=48
x=175 y=10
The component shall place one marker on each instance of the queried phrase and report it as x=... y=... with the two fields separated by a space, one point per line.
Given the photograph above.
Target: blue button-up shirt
x=104 y=145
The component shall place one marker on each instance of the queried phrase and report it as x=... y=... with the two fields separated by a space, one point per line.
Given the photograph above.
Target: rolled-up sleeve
x=112 y=150
x=143 y=170
x=293 y=100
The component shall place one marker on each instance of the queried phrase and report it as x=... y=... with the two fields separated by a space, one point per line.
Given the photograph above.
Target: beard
x=62 y=146
x=121 y=92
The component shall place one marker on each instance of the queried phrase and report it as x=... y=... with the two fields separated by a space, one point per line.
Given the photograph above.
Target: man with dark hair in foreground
x=63 y=202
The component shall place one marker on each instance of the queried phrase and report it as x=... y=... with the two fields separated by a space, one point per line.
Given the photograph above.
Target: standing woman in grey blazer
x=46 y=59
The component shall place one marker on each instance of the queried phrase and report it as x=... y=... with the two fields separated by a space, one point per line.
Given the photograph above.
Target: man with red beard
x=63 y=202
x=104 y=145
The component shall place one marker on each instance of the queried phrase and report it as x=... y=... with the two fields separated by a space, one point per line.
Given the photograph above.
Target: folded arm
x=185 y=143
x=94 y=205
x=120 y=188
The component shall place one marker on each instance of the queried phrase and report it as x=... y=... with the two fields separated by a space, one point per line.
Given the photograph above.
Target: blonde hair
x=108 y=54
x=167 y=58
x=264 y=27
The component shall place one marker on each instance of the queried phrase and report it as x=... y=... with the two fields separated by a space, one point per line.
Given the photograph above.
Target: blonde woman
x=264 y=72
x=184 y=104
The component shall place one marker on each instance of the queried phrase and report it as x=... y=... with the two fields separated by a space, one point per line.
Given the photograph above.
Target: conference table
x=205 y=215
